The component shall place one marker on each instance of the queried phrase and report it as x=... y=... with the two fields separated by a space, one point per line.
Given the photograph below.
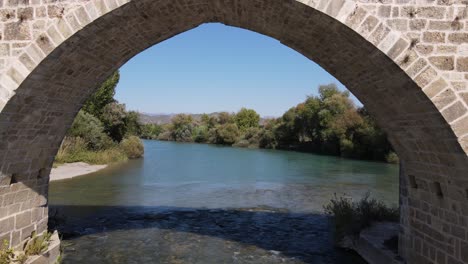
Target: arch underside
x=35 y=119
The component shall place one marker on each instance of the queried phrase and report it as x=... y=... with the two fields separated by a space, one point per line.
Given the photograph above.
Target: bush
x=165 y=136
x=151 y=131
x=200 y=134
x=350 y=218
x=132 y=147
x=91 y=130
x=267 y=139
x=392 y=157
x=227 y=134
x=6 y=253
x=243 y=143
x=346 y=148
x=37 y=244
x=75 y=150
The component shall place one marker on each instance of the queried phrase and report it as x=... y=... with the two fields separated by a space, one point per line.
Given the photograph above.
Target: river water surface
x=194 y=203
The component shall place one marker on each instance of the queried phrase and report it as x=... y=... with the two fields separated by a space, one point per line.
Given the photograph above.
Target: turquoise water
x=164 y=200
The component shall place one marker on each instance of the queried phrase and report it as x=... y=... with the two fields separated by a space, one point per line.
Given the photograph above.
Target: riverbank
x=71 y=170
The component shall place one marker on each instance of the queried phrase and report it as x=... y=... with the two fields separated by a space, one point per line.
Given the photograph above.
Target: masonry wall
x=407 y=61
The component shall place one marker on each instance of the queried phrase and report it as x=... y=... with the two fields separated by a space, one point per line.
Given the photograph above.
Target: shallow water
x=192 y=203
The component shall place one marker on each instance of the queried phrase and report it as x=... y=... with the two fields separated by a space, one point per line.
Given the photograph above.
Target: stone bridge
x=406 y=60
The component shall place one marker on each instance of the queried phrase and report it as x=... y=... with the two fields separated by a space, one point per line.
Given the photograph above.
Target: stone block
x=445 y=63
x=22 y=220
x=462 y=64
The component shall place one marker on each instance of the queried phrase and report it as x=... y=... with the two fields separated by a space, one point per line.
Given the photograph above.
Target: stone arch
x=46 y=84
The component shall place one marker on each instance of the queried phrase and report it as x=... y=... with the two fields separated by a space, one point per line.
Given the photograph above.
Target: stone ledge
x=51 y=255
x=370 y=244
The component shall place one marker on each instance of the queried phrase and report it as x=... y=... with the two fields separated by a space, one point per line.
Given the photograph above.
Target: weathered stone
x=464 y=252
x=434 y=37
x=453 y=112
x=17 y=31
x=55 y=11
x=22 y=220
x=458 y=38
x=417 y=24
x=6 y=225
x=445 y=98
x=426 y=76
x=425 y=49
x=445 y=63
x=25 y=13
x=462 y=64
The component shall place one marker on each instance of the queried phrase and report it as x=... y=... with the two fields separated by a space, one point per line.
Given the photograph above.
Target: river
x=195 y=203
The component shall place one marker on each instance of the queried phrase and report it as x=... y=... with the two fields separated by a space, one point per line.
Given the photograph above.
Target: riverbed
x=194 y=203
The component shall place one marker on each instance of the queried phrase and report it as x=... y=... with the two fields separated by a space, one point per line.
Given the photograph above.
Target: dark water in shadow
x=190 y=203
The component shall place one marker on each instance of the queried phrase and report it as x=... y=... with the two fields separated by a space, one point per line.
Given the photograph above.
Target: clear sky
x=219 y=68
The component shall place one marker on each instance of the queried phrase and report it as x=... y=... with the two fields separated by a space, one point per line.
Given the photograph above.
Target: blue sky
x=219 y=68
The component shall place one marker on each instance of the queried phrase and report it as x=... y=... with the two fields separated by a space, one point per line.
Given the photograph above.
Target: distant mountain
x=162 y=119
x=159 y=119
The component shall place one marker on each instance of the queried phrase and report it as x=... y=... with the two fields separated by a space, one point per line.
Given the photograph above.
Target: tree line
x=329 y=123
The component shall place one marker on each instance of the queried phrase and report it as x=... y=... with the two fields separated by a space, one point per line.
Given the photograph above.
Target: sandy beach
x=71 y=170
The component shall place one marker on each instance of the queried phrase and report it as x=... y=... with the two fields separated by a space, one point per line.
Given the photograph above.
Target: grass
x=21 y=258
x=6 y=254
x=37 y=244
x=92 y=157
x=350 y=217
x=132 y=147
x=75 y=150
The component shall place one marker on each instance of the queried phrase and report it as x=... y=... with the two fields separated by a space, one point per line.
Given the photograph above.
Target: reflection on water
x=183 y=203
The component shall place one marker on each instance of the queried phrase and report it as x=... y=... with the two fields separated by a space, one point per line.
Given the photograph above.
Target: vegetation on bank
x=35 y=246
x=103 y=131
x=329 y=123
x=350 y=217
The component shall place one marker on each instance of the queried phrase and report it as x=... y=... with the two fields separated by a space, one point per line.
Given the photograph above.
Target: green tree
x=113 y=117
x=200 y=134
x=247 y=118
x=227 y=134
x=89 y=128
x=133 y=147
x=103 y=96
x=151 y=131
x=132 y=124
x=287 y=129
x=209 y=121
x=225 y=118
x=181 y=128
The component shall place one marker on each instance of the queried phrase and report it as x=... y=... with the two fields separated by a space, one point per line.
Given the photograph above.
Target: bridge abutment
x=406 y=60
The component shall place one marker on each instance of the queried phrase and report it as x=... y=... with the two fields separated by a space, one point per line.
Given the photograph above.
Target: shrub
x=346 y=148
x=243 y=143
x=74 y=150
x=165 y=136
x=91 y=129
x=246 y=118
x=132 y=147
x=200 y=134
x=6 y=253
x=392 y=157
x=350 y=218
x=227 y=134
x=37 y=244
x=182 y=127
x=151 y=131
x=267 y=139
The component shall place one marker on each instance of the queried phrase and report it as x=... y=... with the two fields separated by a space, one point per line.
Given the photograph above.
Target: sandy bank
x=70 y=170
